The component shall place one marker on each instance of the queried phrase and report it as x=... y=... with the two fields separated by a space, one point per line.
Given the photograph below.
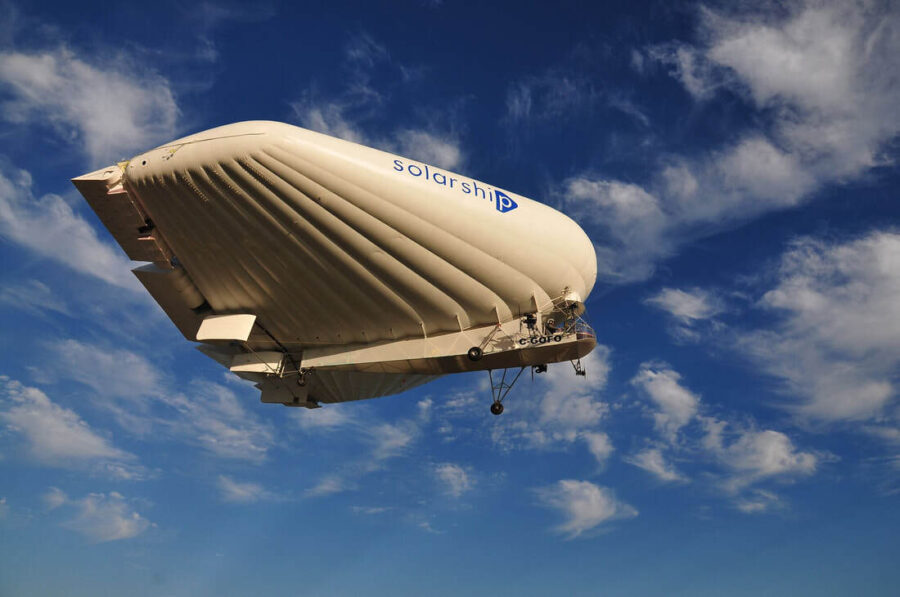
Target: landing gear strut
x=500 y=388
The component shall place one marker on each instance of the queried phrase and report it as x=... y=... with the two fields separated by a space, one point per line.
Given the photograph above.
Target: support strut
x=500 y=388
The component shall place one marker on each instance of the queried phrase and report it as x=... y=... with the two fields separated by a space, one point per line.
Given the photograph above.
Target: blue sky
x=738 y=431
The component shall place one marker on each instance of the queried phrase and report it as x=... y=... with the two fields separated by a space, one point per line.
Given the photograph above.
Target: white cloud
x=822 y=81
x=208 y=415
x=369 y=510
x=49 y=227
x=836 y=341
x=327 y=418
x=54 y=498
x=676 y=405
x=583 y=505
x=654 y=462
x=33 y=296
x=389 y=440
x=59 y=437
x=238 y=492
x=328 y=485
x=630 y=221
x=214 y=418
x=687 y=306
x=741 y=455
x=383 y=442
x=100 y=517
x=454 y=477
x=758 y=501
x=599 y=445
x=563 y=407
x=110 y=107
x=328 y=118
x=756 y=455
x=117 y=373
x=431 y=148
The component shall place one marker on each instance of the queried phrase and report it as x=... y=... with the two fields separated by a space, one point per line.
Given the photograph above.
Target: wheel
x=474 y=354
x=497 y=408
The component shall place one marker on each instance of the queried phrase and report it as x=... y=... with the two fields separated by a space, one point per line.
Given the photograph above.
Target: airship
x=326 y=271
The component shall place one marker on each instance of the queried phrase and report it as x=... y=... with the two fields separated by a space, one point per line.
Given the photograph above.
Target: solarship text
x=502 y=202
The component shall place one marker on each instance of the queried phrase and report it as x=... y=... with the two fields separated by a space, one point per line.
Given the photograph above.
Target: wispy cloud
x=654 y=461
x=33 y=296
x=346 y=113
x=243 y=492
x=383 y=442
x=109 y=106
x=49 y=227
x=57 y=436
x=583 y=505
x=205 y=414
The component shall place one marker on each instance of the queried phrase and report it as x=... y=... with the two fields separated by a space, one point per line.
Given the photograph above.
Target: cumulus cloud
x=50 y=227
x=835 y=343
x=57 y=436
x=583 y=505
x=692 y=311
x=737 y=456
x=100 y=517
x=822 y=84
x=454 y=478
x=676 y=405
x=755 y=455
x=110 y=107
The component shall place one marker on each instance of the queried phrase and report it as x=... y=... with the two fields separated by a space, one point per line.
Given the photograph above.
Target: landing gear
x=579 y=368
x=501 y=387
x=475 y=354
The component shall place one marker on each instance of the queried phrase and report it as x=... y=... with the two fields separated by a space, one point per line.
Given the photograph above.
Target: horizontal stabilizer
x=226 y=327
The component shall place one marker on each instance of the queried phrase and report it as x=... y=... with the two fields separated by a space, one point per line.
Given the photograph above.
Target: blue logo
x=505 y=203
